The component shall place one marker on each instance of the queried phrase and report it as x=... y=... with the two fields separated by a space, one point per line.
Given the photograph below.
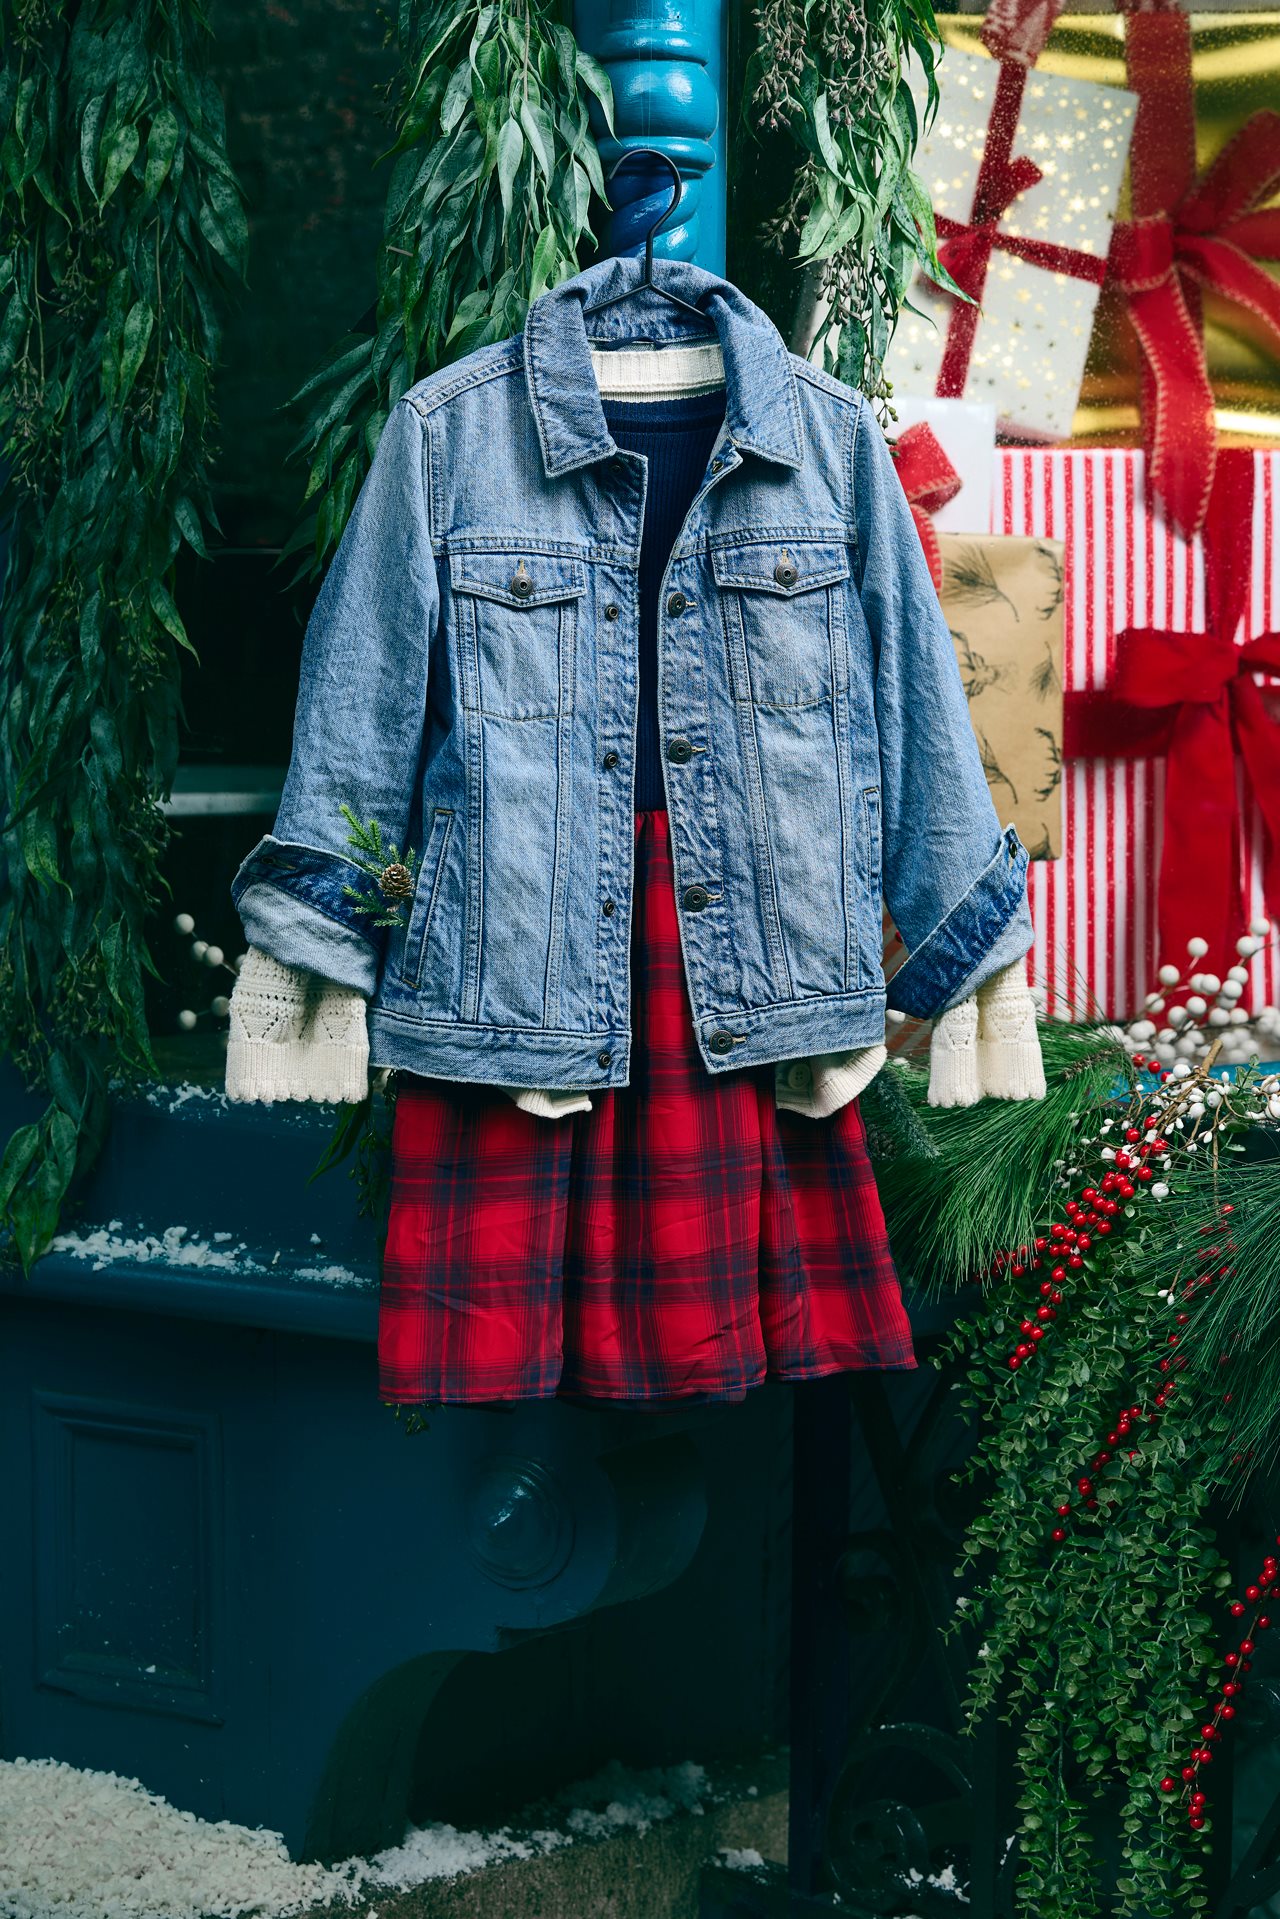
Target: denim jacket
x=469 y=681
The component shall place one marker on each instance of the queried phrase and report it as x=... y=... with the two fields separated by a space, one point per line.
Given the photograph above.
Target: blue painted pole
x=665 y=59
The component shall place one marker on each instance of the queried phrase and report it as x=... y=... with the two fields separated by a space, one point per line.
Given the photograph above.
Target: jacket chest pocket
x=784 y=618
x=519 y=613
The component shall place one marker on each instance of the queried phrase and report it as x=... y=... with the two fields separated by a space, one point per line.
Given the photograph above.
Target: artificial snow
x=178 y=1246
x=741 y=1858
x=175 y=1246
x=96 y=1845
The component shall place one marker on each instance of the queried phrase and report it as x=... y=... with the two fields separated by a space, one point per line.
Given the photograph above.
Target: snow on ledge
x=97 y=1845
x=110 y=1245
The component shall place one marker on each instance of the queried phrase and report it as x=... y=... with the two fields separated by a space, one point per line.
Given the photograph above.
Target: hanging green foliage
x=121 y=222
x=1120 y=1366
x=488 y=205
x=834 y=75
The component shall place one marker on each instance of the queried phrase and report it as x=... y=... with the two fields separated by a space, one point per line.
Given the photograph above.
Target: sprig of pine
x=122 y=223
x=488 y=204
x=1099 y=1586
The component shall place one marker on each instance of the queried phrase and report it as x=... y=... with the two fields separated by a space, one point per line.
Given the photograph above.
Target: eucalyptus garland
x=488 y=204
x=121 y=220
x=1120 y=1366
x=833 y=74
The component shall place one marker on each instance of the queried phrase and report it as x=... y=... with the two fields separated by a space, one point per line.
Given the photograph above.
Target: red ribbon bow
x=1193 y=697
x=967 y=245
x=929 y=481
x=1186 y=235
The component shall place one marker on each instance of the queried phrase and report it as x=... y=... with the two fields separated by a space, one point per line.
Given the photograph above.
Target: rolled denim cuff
x=292 y=902
x=985 y=931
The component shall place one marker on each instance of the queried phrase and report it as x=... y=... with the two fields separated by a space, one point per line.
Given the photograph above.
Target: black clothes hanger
x=645 y=284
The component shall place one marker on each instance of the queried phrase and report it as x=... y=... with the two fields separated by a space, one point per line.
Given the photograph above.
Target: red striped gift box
x=1094 y=909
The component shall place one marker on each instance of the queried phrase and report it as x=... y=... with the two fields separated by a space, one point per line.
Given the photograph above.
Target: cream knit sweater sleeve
x=295 y=1036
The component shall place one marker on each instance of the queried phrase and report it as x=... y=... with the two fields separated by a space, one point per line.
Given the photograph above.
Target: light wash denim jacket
x=469 y=681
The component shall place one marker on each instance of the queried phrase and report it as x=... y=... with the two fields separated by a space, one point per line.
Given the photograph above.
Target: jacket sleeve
x=954 y=883
x=358 y=725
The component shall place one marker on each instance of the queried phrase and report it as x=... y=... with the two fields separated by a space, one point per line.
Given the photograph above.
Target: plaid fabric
x=683 y=1240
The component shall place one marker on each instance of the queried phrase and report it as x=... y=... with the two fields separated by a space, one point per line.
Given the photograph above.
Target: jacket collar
x=762 y=409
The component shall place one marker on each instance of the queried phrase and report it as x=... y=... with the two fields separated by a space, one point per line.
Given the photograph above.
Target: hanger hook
x=677 y=188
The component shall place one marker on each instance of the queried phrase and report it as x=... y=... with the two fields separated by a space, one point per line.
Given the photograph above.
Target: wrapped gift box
x=1003 y=599
x=1039 y=219
x=1095 y=908
x=1235 y=63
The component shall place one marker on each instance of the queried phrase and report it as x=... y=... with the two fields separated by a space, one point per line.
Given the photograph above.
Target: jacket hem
x=570 y=1062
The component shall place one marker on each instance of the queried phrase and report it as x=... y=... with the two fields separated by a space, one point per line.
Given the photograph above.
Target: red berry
x=1188 y=1772
x=1059 y=1274
x=1062 y=1511
x=1252 y=1592
x=1237 y=1608
x=1014 y=1362
x=1058 y=1535
x=1246 y=1646
x=1168 y=1785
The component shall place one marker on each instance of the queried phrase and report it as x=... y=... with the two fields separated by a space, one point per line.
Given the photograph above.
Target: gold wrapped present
x=1002 y=598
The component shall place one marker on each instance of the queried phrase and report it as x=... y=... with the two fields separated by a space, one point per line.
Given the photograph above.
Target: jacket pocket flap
x=785 y=567
x=516 y=578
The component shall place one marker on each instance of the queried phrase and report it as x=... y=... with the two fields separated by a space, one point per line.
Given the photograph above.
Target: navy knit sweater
x=676 y=437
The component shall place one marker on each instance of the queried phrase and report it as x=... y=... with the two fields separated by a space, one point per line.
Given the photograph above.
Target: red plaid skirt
x=683 y=1240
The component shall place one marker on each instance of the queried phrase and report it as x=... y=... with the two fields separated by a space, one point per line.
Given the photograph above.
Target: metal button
x=522 y=583
x=604 y=1060
x=695 y=898
x=609 y=761
x=680 y=750
x=611 y=611
x=608 y=909
x=676 y=604
x=721 y=1042
x=717 y=466
x=785 y=572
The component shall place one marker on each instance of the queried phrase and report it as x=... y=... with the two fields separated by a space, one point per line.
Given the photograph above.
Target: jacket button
x=695 y=898
x=609 y=761
x=608 y=909
x=721 y=1042
x=522 y=586
x=604 y=1061
x=676 y=604
x=717 y=466
x=680 y=750
x=785 y=572
x=611 y=611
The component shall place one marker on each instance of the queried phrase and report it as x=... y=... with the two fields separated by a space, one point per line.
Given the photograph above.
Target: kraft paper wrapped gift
x=1003 y=601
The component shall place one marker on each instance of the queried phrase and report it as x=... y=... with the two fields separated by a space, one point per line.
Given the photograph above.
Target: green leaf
x=162 y=144
x=166 y=612
x=596 y=80
x=120 y=156
x=138 y=325
x=538 y=132
x=510 y=154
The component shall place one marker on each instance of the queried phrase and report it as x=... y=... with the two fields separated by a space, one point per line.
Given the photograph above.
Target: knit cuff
x=548 y=1105
x=294 y=1036
x=1010 y=1063
x=953 y=1057
x=818 y=1087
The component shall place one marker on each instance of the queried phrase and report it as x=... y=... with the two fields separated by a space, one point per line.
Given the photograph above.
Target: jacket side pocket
x=425 y=895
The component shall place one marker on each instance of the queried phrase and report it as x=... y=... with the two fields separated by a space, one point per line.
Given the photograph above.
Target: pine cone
x=395 y=882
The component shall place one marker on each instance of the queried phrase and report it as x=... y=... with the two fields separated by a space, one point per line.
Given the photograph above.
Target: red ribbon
x=1185 y=235
x=929 y=481
x=1192 y=696
x=967 y=246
